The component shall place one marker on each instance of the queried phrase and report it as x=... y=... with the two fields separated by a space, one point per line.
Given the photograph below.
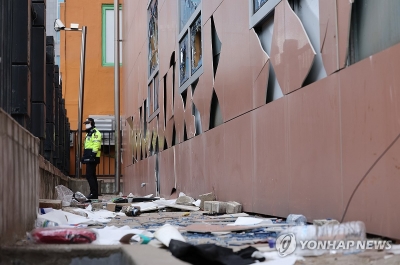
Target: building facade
x=281 y=105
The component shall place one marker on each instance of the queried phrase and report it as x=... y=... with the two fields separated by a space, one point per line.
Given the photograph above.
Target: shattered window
x=258 y=4
x=156 y=85
x=153 y=35
x=183 y=59
x=187 y=8
x=150 y=98
x=190 y=41
x=195 y=42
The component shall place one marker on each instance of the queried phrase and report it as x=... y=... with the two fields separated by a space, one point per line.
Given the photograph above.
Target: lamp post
x=58 y=25
x=116 y=99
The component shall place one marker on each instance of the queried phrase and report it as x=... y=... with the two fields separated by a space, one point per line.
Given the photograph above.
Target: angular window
x=190 y=43
x=152 y=14
x=375 y=26
x=108 y=35
x=152 y=89
x=195 y=41
x=257 y=4
x=183 y=60
x=259 y=10
x=155 y=93
x=187 y=8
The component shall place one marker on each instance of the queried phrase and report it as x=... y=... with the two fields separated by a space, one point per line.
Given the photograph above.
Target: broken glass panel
x=258 y=4
x=195 y=41
x=152 y=13
x=150 y=98
x=156 y=83
x=187 y=8
x=183 y=60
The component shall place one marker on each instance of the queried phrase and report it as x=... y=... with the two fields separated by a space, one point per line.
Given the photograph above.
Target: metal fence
x=106 y=168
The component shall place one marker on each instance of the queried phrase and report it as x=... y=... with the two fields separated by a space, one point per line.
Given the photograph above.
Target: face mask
x=88 y=126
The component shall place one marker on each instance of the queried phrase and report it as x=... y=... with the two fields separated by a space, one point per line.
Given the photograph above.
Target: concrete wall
x=25 y=177
x=19 y=179
x=50 y=177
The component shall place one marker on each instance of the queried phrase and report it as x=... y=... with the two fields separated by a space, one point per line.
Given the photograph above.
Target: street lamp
x=58 y=25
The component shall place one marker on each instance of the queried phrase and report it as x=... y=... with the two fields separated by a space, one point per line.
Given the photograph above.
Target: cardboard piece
x=207 y=228
x=55 y=204
x=111 y=206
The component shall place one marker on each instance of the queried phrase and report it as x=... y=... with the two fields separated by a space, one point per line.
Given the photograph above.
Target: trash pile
x=196 y=231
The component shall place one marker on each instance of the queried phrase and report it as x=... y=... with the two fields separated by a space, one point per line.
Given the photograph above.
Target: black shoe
x=91 y=197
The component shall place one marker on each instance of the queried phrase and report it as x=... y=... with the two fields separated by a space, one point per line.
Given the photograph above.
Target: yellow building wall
x=99 y=80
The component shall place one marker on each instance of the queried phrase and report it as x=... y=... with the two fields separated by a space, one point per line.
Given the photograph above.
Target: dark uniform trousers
x=92 y=178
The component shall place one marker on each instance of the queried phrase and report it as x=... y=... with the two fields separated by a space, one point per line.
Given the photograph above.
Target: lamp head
x=58 y=25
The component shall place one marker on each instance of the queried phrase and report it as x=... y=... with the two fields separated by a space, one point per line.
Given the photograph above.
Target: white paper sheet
x=66 y=218
x=110 y=235
x=247 y=221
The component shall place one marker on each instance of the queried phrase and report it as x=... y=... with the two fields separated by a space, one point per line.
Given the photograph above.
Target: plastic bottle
x=296 y=219
x=45 y=223
x=344 y=233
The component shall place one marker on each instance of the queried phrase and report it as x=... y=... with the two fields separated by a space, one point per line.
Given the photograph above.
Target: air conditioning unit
x=106 y=125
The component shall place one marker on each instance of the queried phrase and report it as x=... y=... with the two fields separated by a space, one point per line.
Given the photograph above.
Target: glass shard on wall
x=195 y=41
x=152 y=14
x=258 y=4
x=183 y=60
x=187 y=8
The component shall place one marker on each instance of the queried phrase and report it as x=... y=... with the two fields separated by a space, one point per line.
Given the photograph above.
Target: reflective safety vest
x=93 y=142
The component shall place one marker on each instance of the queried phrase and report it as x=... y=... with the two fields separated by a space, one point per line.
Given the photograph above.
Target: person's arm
x=96 y=142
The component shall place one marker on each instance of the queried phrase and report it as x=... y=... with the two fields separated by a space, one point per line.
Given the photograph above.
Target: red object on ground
x=54 y=235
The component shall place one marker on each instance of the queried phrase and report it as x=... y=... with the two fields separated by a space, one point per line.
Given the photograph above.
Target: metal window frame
x=104 y=8
x=262 y=13
x=151 y=78
x=150 y=74
x=186 y=30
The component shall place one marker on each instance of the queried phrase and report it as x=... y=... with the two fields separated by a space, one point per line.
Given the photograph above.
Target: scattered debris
x=55 y=235
x=131 y=210
x=194 y=236
x=211 y=254
x=80 y=197
x=185 y=200
x=233 y=207
x=55 y=204
x=206 y=197
x=97 y=205
x=64 y=194
x=166 y=233
x=111 y=206
x=322 y=222
x=296 y=219
x=130 y=198
x=218 y=207
x=172 y=204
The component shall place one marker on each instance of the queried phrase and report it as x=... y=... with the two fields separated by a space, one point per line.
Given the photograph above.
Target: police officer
x=91 y=156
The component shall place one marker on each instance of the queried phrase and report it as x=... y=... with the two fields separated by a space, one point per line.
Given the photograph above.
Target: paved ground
x=26 y=254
